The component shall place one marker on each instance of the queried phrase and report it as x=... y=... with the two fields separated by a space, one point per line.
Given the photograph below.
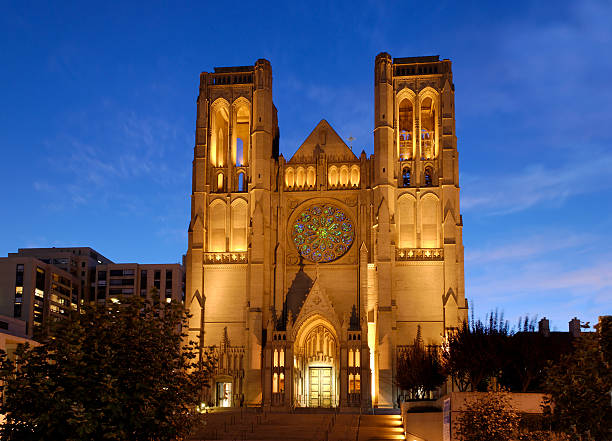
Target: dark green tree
x=490 y=417
x=476 y=352
x=419 y=369
x=579 y=386
x=117 y=372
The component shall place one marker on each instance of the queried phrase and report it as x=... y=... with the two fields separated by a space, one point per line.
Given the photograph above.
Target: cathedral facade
x=308 y=276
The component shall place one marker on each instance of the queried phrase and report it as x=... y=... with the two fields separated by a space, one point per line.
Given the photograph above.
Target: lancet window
x=406 y=124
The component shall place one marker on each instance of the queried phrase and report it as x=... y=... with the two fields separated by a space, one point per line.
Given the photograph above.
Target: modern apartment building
x=117 y=279
x=36 y=292
x=39 y=285
x=78 y=261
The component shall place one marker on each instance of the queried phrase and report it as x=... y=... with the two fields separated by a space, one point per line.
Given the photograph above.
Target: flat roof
x=411 y=60
x=233 y=69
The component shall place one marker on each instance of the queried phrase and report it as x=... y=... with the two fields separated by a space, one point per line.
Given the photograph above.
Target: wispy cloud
x=538 y=184
x=108 y=160
x=532 y=246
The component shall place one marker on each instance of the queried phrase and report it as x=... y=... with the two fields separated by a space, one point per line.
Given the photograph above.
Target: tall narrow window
x=241 y=186
x=407 y=222
x=428 y=128
x=406 y=177
x=428 y=177
x=406 y=118
x=275 y=383
x=430 y=218
x=281 y=383
x=239 y=152
x=220 y=182
x=217 y=227
x=350 y=358
x=18 y=291
x=239 y=225
x=357 y=358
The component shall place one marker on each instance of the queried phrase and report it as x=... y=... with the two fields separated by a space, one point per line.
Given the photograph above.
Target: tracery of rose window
x=322 y=233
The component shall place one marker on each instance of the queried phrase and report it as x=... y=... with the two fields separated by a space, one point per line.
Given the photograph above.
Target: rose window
x=322 y=233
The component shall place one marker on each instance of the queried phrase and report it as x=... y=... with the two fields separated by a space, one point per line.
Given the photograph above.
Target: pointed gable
x=325 y=139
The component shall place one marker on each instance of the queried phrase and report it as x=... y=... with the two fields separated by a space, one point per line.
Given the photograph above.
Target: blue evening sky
x=98 y=114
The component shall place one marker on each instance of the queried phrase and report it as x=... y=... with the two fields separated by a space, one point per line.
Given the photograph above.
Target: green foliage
x=490 y=417
x=419 y=369
x=117 y=372
x=579 y=386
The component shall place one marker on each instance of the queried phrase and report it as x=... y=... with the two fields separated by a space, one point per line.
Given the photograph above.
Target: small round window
x=322 y=233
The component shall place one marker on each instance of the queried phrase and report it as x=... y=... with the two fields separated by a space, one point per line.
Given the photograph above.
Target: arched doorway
x=316 y=364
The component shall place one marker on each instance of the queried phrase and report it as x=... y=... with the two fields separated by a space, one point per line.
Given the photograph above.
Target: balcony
x=413 y=254
x=225 y=257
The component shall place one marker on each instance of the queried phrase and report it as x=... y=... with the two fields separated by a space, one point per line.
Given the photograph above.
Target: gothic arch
x=406 y=221
x=241 y=124
x=429 y=129
x=239 y=224
x=217 y=226
x=219 y=131
x=429 y=208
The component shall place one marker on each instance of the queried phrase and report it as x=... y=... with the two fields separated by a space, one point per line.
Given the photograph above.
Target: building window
x=156 y=279
x=116 y=273
x=143 y=283
x=406 y=177
x=101 y=275
x=168 y=279
x=428 y=177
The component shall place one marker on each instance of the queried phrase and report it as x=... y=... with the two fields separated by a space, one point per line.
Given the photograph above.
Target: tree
x=117 y=372
x=490 y=417
x=476 y=351
x=579 y=386
x=419 y=369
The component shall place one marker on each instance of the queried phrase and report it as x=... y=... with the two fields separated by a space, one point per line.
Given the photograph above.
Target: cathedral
x=307 y=276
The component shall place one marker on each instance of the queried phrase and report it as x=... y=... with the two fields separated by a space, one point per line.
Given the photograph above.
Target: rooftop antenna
x=351 y=139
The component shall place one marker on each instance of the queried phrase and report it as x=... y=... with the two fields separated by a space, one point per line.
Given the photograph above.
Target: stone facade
x=308 y=275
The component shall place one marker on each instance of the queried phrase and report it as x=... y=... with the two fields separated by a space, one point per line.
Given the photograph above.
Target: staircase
x=306 y=426
x=380 y=427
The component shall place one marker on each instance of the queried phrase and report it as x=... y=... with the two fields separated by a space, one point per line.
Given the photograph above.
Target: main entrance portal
x=320 y=386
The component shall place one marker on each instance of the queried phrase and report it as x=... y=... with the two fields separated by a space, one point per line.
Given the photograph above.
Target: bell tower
x=235 y=154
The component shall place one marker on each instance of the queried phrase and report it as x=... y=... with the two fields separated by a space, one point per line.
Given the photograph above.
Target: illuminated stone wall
x=369 y=248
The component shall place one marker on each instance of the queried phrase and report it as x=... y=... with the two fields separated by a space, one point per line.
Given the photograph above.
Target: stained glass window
x=322 y=233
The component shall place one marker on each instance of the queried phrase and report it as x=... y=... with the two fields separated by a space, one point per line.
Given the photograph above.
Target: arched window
x=239 y=225
x=406 y=177
x=241 y=132
x=357 y=358
x=220 y=182
x=407 y=221
x=430 y=221
x=289 y=178
x=281 y=384
x=311 y=177
x=239 y=152
x=333 y=176
x=428 y=128
x=217 y=227
x=354 y=176
x=301 y=178
x=344 y=175
x=241 y=185
x=275 y=383
x=350 y=358
x=406 y=121
x=428 y=175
